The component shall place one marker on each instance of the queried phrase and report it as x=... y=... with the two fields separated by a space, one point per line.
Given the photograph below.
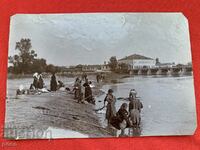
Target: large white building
x=136 y=61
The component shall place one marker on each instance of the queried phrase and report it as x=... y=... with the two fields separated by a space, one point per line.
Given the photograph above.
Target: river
x=169 y=103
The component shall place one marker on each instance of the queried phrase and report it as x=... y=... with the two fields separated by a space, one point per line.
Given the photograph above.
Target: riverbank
x=30 y=114
x=59 y=114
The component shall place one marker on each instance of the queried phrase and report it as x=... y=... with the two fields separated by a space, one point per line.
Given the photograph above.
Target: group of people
x=38 y=82
x=78 y=92
x=127 y=116
x=38 y=85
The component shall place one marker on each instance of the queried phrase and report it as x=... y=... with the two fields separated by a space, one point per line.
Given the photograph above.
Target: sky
x=92 y=38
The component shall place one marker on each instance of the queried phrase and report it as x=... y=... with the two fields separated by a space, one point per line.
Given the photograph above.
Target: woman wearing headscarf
x=35 y=80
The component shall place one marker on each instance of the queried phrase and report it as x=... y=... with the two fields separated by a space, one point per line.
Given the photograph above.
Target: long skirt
x=110 y=111
x=53 y=86
x=88 y=94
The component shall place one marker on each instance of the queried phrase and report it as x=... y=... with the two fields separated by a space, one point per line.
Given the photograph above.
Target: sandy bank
x=30 y=114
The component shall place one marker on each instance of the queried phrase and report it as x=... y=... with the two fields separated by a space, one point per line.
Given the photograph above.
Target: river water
x=169 y=102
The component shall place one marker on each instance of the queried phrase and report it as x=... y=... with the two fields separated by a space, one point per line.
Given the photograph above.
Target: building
x=136 y=61
x=91 y=68
x=97 y=68
x=105 y=67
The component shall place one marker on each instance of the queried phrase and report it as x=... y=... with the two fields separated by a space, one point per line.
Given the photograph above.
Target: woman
x=123 y=117
x=122 y=114
x=35 y=80
x=40 y=82
x=88 y=92
x=77 y=88
x=53 y=83
x=110 y=107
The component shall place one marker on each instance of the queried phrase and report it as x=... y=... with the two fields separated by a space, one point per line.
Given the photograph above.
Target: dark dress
x=88 y=92
x=53 y=84
x=121 y=115
x=35 y=82
x=40 y=83
x=110 y=107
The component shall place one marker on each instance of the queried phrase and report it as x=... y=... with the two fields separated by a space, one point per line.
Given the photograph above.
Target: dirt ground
x=30 y=113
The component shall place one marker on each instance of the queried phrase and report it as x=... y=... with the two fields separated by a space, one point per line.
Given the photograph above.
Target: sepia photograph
x=99 y=75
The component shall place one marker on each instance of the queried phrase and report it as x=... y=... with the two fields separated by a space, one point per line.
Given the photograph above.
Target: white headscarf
x=35 y=75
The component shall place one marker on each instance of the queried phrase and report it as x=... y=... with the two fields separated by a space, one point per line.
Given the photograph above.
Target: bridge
x=176 y=70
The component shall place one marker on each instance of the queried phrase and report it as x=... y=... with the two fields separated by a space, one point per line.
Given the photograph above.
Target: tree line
x=26 y=61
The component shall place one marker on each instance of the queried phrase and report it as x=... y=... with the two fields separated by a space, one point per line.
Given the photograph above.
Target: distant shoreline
x=47 y=75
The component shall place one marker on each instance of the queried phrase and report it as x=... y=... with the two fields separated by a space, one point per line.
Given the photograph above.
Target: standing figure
x=102 y=76
x=53 y=83
x=84 y=76
x=35 y=80
x=110 y=107
x=135 y=107
x=77 y=88
x=98 y=78
x=40 y=82
x=88 y=91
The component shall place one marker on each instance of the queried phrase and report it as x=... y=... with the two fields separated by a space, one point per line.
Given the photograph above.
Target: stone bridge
x=177 y=70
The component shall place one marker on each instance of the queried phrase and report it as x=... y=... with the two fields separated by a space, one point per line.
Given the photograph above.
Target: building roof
x=135 y=56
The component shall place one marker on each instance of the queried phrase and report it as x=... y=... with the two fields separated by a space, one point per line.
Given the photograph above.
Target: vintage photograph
x=97 y=75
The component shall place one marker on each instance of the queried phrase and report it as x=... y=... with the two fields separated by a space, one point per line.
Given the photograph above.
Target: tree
x=123 y=67
x=50 y=68
x=26 y=57
x=113 y=63
x=39 y=65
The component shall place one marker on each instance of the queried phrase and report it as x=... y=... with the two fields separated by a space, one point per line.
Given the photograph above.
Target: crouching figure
x=121 y=120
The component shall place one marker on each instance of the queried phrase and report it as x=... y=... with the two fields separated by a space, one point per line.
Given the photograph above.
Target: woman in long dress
x=110 y=107
x=88 y=92
x=53 y=83
x=40 y=82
